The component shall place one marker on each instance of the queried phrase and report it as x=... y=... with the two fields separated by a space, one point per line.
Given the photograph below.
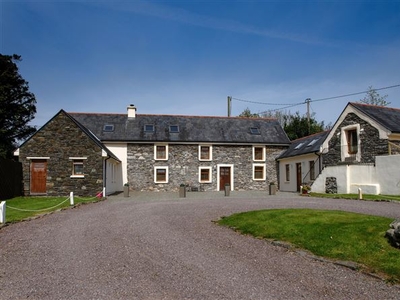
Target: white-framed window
x=258 y=153
x=287 y=172
x=205 y=174
x=205 y=152
x=77 y=167
x=350 y=142
x=259 y=172
x=161 y=174
x=312 y=169
x=161 y=152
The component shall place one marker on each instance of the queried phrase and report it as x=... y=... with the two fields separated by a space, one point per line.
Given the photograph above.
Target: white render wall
x=120 y=150
x=291 y=185
x=383 y=178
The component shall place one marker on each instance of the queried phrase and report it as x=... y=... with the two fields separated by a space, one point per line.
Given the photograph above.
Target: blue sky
x=186 y=57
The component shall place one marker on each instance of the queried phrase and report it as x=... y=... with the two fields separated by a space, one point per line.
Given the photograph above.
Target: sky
x=186 y=57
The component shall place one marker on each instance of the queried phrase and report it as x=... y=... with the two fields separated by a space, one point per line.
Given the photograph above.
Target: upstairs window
x=258 y=153
x=352 y=141
x=161 y=152
x=205 y=152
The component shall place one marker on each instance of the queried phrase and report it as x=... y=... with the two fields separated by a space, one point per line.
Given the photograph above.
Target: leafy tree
x=17 y=105
x=372 y=97
x=248 y=114
x=297 y=126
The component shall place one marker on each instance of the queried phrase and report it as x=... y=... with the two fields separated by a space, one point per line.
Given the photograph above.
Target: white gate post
x=359 y=194
x=104 y=192
x=71 y=198
x=3 y=212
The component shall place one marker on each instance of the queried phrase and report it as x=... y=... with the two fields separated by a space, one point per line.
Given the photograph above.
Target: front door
x=38 y=176
x=298 y=176
x=224 y=177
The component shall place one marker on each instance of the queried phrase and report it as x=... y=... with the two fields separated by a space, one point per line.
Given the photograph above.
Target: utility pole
x=229 y=105
x=308 y=100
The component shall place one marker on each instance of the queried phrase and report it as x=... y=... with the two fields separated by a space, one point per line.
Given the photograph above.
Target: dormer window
x=173 y=128
x=149 y=128
x=255 y=130
x=108 y=128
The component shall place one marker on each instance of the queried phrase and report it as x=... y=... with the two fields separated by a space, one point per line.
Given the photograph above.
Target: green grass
x=333 y=234
x=355 y=197
x=38 y=205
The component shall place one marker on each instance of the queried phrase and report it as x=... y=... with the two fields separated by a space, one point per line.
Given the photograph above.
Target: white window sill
x=77 y=176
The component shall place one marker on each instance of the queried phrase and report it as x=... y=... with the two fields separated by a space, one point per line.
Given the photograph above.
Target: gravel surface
x=157 y=246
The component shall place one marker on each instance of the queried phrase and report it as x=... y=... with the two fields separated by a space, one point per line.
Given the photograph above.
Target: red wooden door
x=38 y=176
x=224 y=177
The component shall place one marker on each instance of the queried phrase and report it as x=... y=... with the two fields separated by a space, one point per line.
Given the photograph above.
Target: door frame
x=219 y=166
x=298 y=176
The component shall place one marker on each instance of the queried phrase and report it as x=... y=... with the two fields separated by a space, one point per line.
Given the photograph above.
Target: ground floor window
x=205 y=175
x=77 y=166
x=258 y=172
x=160 y=174
x=287 y=172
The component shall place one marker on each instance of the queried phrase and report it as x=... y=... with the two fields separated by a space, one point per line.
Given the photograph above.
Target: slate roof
x=191 y=128
x=386 y=116
x=305 y=145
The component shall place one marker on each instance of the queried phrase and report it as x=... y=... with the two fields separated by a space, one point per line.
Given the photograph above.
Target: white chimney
x=131 y=111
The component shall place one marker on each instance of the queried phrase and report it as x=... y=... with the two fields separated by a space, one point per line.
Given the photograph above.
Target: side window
x=352 y=141
x=77 y=167
x=312 y=170
x=287 y=172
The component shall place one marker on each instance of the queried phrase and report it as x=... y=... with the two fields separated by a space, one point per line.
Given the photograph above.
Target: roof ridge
x=375 y=106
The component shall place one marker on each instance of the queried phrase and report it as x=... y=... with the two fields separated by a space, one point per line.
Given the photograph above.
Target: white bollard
x=71 y=198
x=104 y=192
x=359 y=194
x=3 y=212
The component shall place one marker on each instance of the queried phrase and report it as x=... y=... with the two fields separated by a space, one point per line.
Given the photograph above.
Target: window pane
x=352 y=141
x=258 y=153
x=258 y=172
x=205 y=175
x=312 y=170
x=77 y=168
x=205 y=152
x=161 y=175
x=287 y=173
x=161 y=152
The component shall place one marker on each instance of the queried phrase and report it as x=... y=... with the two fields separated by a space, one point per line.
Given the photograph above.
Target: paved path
x=157 y=246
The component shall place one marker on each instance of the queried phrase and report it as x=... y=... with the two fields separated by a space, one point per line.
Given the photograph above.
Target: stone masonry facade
x=183 y=167
x=60 y=139
x=371 y=144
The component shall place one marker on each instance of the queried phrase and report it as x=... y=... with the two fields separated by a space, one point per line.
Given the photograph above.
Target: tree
x=297 y=126
x=248 y=114
x=17 y=106
x=374 y=98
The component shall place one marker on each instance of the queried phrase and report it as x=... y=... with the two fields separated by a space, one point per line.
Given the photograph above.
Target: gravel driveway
x=157 y=246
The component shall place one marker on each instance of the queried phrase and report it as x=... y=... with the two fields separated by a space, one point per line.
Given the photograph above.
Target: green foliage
x=17 y=106
x=374 y=98
x=334 y=234
x=248 y=114
x=297 y=126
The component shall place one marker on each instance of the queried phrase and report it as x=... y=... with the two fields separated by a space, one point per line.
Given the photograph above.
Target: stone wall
x=371 y=144
x=60 y=139
x=183 y=166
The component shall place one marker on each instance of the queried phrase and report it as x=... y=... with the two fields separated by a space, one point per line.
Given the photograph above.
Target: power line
x=257 y=102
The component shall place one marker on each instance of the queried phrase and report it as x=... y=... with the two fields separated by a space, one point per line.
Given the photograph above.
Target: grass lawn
x=333 y=234
x=30 y=206
x=355 y=197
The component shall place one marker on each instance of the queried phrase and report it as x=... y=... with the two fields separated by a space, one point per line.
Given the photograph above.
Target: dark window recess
x=174 y=128
x=149 y=128
x=254 y=130
x=108 y=128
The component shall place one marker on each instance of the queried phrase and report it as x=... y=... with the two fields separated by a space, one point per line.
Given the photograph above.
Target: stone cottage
x=84 y=152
